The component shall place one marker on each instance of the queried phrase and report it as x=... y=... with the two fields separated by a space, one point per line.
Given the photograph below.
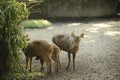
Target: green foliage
x=6 y=0
x=12 y=39
x=36 y=23
x=22 y=76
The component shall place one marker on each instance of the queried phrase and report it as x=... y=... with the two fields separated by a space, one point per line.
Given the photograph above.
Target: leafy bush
x=12 y=39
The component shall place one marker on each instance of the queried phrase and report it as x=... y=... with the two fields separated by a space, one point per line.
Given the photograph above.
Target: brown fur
x=68 y=43
x=55 y=57
x=43 y=50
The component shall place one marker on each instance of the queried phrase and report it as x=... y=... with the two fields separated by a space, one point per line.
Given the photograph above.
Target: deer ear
x=81 y=35
x=72 y=34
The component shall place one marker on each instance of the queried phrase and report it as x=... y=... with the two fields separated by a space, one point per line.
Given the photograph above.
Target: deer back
x=38 y=48
x=63 y=41
x=68 y=42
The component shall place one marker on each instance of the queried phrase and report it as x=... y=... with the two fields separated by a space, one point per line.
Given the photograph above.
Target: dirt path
x=99 y=54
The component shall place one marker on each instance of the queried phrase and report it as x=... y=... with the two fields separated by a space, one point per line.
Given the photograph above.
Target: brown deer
x=44 y=51
x=55 y=57
x=68 y=43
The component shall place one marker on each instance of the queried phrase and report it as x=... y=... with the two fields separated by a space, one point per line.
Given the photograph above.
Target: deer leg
x=57 y=63
x=69 y=60
x=30 y=63
x=42 y=63
x=27 y=60
x=56 y=66
x=74 y=60
x=48 y=61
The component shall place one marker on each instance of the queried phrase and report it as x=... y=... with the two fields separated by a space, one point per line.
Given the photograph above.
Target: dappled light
x=106 y=27
x=101 y=25
x=95 y=29
x=90 y=41
x=50 y=28
x=118 y=14
x=113 y=33
x=73 y=24
x=46 y=22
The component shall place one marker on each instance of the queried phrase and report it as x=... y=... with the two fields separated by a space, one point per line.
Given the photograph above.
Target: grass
x=36 y=23
x=22 y=76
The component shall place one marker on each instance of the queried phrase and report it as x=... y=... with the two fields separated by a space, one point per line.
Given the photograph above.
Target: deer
x=44 y=51
x=55 y=57
x=68 y=43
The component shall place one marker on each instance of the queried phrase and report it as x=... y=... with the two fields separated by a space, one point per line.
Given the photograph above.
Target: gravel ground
x=99 y=54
